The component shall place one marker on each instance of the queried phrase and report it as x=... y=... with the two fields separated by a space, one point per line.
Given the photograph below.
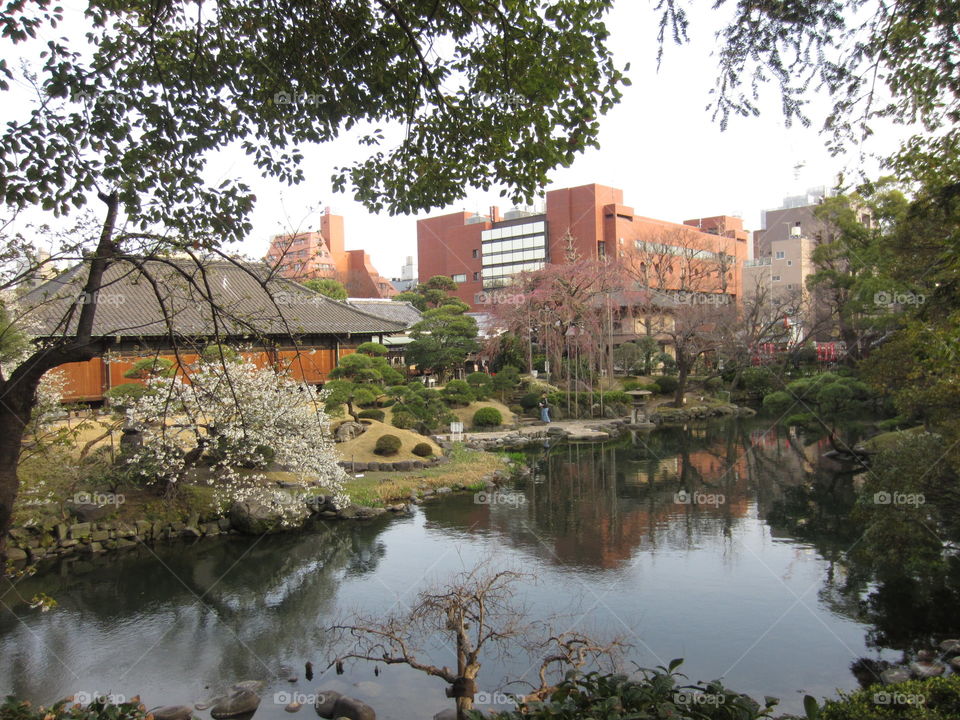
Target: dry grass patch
x=360 y=449
x=465 y=414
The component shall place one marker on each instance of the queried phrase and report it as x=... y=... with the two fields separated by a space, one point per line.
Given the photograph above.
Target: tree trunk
x=15 y=410
x=464 y=704
x=682 y=372
x=18 y=391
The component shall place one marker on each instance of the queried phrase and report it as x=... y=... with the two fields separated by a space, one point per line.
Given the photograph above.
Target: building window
x=780 y=254
x=601 y=249
x=476 y=276
x=476 y=253
x=789 y=262
x=776 y=278
x=460 y=278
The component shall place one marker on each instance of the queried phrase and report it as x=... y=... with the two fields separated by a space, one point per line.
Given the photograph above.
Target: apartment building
x=321 y=254
x=482 y=252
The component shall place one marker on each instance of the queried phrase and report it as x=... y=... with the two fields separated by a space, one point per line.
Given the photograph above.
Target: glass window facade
x=511 y=250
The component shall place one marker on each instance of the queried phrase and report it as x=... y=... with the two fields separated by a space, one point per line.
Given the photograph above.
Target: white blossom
x=240 y=417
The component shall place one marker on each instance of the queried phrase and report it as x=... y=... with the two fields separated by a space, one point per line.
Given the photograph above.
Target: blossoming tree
x=226 y=423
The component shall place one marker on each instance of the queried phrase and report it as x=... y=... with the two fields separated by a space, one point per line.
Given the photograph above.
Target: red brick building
x=481 y=252
x=308 y=255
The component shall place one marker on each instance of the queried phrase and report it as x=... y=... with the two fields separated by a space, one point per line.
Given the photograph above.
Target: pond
x=661 y=539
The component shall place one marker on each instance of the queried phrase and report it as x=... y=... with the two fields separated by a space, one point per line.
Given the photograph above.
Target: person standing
x=544 y=409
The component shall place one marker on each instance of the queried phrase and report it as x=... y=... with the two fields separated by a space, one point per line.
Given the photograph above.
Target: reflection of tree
x=241 y=605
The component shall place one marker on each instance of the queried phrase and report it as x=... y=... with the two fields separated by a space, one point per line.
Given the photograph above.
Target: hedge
x=372 y=414
x=487 y=417
x=387 y=445
x=422 y=449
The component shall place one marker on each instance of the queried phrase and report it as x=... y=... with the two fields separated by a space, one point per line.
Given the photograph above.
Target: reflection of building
x=309 y=255
x=482 y=252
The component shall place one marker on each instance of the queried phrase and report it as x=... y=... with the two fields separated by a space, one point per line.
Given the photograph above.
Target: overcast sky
x=659 y=145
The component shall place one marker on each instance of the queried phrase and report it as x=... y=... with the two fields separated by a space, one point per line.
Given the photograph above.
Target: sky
x=659 y=145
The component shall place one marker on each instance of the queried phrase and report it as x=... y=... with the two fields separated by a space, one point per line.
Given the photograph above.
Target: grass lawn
x=466 y=467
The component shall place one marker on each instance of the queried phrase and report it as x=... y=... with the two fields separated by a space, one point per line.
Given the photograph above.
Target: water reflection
x=603 y=528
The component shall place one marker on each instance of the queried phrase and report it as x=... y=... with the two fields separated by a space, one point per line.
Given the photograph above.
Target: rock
x=951 y=647
x=955 y=664
x=349 y=430
x=88 y=512
x=370 y=512
x=894 y=675
x=326 y=699
x=349 y=512
x=448 y=714
x=15 y=554
x=172 y=712
x=353 y=709
x=358 y=467
x=927 y=668
x=293 y=707
x=80 y=531
x=443 y=490
x=253 y=518
x=251 y=685
x=403 y=465
x=240 y=701
x=373 y=466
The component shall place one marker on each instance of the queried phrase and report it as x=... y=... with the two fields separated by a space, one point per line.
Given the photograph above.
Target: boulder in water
x=353 y=709
x=894 y=675
x=172 y=712
x=325 y=701
x=240 y=701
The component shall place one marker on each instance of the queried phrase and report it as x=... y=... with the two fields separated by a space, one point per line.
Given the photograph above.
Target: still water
x=660 y=539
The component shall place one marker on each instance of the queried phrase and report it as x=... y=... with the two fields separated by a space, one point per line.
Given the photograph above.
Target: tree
x=695 y=330
x=131 y=114
x=876 y=60
x=233 y=417
x=359 y=379
x=477 y=614
x=327 y=286
x=432 y=294
x=442 y=339
x=567 y=308
x=824 y=400
x=637 y=356
x=419 y=408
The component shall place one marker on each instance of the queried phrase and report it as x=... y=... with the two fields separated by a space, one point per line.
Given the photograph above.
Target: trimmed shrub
x=529 y=401
x=149 y=367
x=386 y=402
x=403 y=420
x=487 y=417
x=422 y=450
x=218 y=353
x=372 y=414
x=516 y=409
x=457 y=393
x=121 y=396
x=480 y=384
x=714 y=384
x=387 y=445
x=372 y=348
x=667 y=384
x=629 y=385
x=616 y=396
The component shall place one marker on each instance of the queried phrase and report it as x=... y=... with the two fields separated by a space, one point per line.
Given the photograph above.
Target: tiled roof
x=131 y=303
x=401 y=312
